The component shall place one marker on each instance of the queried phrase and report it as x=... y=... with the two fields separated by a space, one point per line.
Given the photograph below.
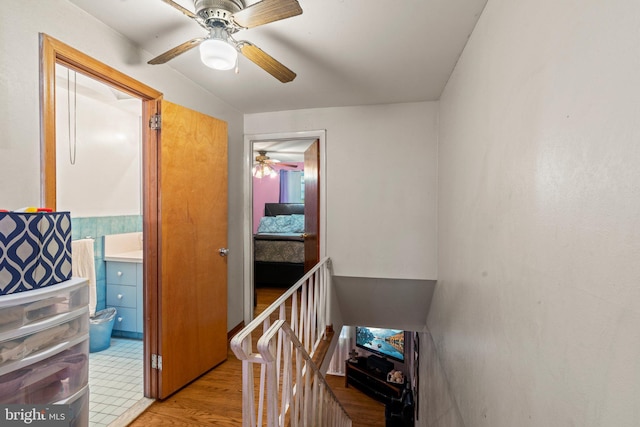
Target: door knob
x=223 y=251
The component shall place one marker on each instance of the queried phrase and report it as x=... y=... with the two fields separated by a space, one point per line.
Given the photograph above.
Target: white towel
x=83 y=265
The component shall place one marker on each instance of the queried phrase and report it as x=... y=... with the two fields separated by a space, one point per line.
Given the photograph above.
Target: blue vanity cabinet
x=124 y=293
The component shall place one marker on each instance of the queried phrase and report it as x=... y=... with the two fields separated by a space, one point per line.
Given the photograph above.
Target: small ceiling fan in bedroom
x=264 y=165
x=222 y=19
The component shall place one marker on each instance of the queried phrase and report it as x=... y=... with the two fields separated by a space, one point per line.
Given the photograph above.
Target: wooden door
x=192 y=216
x=311 y=205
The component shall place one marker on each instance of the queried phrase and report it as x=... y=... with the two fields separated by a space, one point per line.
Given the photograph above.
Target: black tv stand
x=370 y=381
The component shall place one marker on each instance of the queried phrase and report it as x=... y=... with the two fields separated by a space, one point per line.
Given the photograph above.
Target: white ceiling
x=283 y=150
x=345 y=52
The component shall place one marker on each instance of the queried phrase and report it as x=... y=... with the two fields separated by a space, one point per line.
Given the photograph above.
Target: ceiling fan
x=264 y=165
x=222 y=19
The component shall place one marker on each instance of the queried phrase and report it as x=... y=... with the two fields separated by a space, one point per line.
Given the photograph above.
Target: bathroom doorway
x=99 y=180
x=169 y=347
x=134 y=136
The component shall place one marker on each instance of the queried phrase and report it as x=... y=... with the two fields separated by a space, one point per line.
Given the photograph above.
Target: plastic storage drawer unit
x=44 y=344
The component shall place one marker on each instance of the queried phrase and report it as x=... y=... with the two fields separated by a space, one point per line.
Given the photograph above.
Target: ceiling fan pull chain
x=72 y=154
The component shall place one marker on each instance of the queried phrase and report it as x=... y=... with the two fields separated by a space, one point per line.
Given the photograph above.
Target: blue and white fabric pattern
x=297 y=223
x=35 y=250
x=282 y=224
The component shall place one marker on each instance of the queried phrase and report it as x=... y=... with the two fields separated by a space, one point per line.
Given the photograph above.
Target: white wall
x=384 y=303
x=536 y=315
x=436 y=405
x=20 y=23
x=105 y=178
x=381 y=184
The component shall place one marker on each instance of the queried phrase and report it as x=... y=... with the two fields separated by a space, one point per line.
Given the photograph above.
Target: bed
x=278 y=247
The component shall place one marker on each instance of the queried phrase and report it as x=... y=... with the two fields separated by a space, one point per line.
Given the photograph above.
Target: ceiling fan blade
x=266 y=11
x=178 y=50
x=181 y=9
x=275 y=162
x=187 y=12
x=266 y=62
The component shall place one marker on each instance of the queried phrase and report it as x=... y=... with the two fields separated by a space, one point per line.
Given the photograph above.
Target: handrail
x=236 y=341
x=303 y=314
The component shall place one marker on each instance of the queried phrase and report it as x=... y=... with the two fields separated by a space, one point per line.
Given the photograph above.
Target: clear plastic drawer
x=78 y=408
x=25 y=308
x=49 y=378
x=42 y=336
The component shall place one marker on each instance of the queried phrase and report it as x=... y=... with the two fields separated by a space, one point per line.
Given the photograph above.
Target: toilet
x=100 y=328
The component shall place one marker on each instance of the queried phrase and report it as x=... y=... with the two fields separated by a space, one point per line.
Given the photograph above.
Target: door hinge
x=156 y=362
x=155 y=122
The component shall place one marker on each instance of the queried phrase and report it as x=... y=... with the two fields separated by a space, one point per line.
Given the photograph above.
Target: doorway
x=53 y=53
x=174 y=272
x=99 y=181
x=278 y=145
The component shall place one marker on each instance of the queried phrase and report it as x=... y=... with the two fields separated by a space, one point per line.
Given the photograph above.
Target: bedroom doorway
x=278 y=208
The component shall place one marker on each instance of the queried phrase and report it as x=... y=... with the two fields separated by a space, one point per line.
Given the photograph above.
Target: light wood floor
x=216 y=397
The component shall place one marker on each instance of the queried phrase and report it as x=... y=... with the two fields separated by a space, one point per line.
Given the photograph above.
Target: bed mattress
x=282 y=247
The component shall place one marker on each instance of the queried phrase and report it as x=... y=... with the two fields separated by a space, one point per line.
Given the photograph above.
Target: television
x=383 y=342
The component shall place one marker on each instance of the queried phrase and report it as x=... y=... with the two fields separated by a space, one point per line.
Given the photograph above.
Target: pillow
x=267 y=224
x=275 y=224
x=297 y=223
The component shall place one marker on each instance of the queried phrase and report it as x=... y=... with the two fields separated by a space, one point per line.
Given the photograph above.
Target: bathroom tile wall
x=97 y=228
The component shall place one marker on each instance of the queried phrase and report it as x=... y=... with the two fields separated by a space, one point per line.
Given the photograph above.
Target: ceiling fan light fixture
x=218 y=54
x=262 y=170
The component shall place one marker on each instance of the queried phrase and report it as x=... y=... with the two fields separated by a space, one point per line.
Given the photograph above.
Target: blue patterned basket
x=35 y=250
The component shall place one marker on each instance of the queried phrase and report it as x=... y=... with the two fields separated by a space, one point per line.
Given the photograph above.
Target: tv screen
x=384 y=342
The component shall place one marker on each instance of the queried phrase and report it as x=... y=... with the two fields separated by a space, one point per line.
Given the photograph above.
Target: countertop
x=131 y=256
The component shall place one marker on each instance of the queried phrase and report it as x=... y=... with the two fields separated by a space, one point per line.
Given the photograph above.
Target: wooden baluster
x=312 y=314
x=272 y=389
x=303 y=313
x=299 y=392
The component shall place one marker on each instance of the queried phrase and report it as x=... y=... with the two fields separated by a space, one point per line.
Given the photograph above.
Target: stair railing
x=300 y=318
x=306 y=398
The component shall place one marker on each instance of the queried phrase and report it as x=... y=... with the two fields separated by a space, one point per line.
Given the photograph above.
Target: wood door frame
x=311 y=206
x=54 y=52
x=321 y=136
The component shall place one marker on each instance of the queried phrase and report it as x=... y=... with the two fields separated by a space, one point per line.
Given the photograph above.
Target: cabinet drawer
x=125 y=319
x=121 y=296
x=121 y=273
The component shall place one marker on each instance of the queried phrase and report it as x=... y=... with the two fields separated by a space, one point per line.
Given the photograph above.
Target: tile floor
x=115 y=382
